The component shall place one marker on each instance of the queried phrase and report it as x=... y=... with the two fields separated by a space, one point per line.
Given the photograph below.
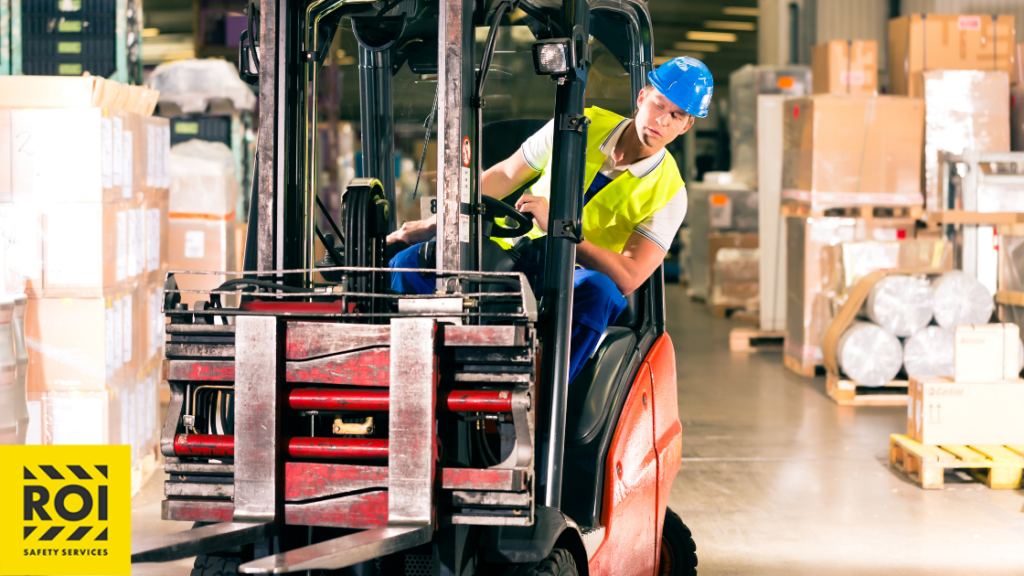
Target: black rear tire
x=559 y=563
x=678 y=550
x=216 y=566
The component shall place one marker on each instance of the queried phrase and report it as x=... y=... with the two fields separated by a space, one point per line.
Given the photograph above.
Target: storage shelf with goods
x=84 y=209
x=73 y=37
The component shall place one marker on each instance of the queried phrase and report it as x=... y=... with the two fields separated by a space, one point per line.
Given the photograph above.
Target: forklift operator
x=634 y=203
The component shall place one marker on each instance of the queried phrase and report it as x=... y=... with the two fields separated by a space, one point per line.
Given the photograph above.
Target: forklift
x=322 y=423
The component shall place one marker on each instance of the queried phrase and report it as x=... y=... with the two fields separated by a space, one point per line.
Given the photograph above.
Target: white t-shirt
x=661 y=226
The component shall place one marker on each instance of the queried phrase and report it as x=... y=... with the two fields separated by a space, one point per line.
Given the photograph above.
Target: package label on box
x=720 y=210
x=150 y=158
x=139 y=240
x=68 y=229
x=153 y=243
x=166 y=168
x=154 y=312
x=195 y=244
x=128 y=332
x=118 y=334
x=107 y=138
x=78 y=419
x=126 y=190
x=108 y=331
x=119 y=150
x=133 y=256
x=122 y=245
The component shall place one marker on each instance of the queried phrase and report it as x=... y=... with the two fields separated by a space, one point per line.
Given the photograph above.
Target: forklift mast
x=413 y=383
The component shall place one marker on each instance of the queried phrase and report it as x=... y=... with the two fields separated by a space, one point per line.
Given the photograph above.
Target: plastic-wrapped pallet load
x=852 y=150
x=964 y=109
x=745 y=84
x=202 y=213
x=736 y=278
x=900 y=304
x=869 y=354
x=959 y=299
x=192 y=84
x=929 y=352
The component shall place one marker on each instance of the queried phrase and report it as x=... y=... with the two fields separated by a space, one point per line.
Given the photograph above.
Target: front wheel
x=678 y=550
x=559 y=563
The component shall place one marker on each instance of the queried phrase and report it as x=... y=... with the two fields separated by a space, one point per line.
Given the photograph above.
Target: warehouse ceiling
x=722 y=34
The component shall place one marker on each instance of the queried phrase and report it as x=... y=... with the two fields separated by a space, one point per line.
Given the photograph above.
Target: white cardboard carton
x=986 y=352
x=944 y=412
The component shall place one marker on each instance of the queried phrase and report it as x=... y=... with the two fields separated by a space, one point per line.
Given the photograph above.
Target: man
x=634 y=203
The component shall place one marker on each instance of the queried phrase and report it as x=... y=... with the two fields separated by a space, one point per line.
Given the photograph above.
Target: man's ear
x=641 y=97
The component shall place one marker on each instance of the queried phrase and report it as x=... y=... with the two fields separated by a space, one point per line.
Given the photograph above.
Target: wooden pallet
x=753 y=340
x=805 y=369
x=794 y=208
x=849 y=393
x=999 y=467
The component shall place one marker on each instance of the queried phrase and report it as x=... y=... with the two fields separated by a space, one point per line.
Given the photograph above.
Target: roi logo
x=67 y=510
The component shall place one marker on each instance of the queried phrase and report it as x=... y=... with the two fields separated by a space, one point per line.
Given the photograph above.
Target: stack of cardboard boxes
x=860 y=166
x=981 y=404
x=84 y=202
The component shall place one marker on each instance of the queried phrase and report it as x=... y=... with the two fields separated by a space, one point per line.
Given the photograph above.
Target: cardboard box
x=61 y=155
x=922 y=42
x=814 y=273
x=156 y=212
x=80 y=343
x=845 y=67
x=986 y=352
x=944 y=412
x=1017 y=73
x=850 y=149
x=964 y=109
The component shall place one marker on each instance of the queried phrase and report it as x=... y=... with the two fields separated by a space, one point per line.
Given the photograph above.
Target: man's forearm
x=624 y=271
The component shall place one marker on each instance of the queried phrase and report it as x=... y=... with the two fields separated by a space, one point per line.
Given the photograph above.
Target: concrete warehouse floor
x=777 y=479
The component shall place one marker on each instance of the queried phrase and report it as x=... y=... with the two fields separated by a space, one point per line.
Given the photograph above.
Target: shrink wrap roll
x=869 y=354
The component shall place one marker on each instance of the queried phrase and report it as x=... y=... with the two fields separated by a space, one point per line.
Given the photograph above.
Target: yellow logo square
x=65 y=510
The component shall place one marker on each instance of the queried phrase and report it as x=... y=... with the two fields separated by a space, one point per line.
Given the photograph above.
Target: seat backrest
x=503 y=137
x=630 y=315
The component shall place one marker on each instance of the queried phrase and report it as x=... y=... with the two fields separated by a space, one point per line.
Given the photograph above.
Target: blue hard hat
x=686 y=82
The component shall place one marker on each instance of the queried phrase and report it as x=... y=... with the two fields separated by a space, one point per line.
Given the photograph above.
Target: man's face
x=658 y=121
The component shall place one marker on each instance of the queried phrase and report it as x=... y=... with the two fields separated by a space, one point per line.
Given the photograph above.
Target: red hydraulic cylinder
x=377 y=400
x=338 y=448
x=325 y=399
x=214 y=446
x=205 y=445
x=480 y=401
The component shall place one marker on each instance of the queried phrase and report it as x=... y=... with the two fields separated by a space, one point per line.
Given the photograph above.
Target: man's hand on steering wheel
x=414 y=232
x=536 y=206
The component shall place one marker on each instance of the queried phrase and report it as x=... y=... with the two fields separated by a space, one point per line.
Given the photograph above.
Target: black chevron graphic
x=28 y=532
x=51 y=534
x=28 y=474
x=102 y=536
x=51 y=472
x=103 y=470
x=79 y=472
x=79 y=533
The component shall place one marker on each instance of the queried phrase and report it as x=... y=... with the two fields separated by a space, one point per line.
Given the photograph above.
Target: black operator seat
x=595 y=386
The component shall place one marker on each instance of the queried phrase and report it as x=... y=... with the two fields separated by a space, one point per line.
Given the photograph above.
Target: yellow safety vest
x=616 y=210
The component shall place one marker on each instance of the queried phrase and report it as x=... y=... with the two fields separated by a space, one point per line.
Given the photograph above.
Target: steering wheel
x=494 y=208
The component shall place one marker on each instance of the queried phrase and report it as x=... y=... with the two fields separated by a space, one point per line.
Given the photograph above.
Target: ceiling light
x=659 y=60
x=711 y=36
x=698 y=46
x=150 y=32
x=728 y=25
x=739 y=11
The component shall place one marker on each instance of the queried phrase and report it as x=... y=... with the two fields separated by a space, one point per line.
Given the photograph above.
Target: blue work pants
x=596 y=303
